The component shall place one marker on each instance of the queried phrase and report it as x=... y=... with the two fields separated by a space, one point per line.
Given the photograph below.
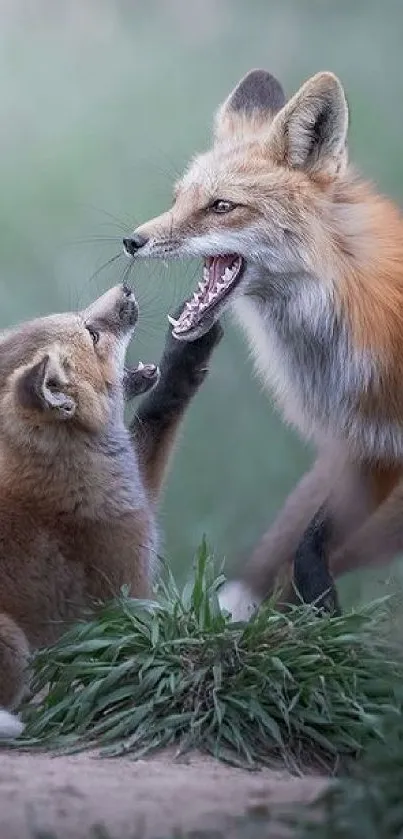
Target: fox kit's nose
x=116 y=310
x=128 y=308
x=134 y=243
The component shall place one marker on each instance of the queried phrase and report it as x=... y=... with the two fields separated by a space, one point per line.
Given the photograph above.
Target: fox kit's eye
x=94 y=334
x=221 y=206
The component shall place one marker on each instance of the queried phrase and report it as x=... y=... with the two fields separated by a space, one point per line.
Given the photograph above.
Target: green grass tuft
x=143 y=675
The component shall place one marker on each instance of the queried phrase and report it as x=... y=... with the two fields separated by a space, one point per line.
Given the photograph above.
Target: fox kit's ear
x=253 y=103
x=311 y=131
x=41 y=386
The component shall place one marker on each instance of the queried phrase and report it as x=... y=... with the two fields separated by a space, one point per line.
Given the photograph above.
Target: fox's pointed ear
x=41 y=386
x=311 y=131
x=253 y=103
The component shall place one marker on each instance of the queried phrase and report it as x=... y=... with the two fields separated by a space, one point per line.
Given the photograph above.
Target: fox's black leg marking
x=183 y=368
x=312 y=578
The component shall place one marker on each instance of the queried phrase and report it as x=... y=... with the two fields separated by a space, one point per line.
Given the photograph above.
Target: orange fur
x=323 y=264
x=367 y=240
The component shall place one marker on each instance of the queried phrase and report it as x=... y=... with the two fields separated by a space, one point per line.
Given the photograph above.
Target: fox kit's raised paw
x=183 y=368
x=189 y=360
x=140 y=379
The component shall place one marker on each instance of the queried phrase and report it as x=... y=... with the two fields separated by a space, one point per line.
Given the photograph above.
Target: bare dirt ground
x=85 y=797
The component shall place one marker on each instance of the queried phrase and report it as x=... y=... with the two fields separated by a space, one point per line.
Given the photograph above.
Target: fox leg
x=14 y=660
x=183 y=368
x=312 y=579
x=377 y=542
x=332 y=479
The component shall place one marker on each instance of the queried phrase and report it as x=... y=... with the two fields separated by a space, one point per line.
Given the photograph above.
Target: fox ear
x=311 y=131
x=253 y=103
x=40 y=387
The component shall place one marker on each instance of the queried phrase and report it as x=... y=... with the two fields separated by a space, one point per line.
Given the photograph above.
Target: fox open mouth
x=221 y=275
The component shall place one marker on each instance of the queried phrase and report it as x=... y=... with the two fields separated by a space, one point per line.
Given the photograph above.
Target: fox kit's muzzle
x=117 y=310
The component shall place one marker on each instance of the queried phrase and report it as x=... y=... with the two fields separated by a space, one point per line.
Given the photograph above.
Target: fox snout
x=157 y=238
x=134 y=243
x=117 y=310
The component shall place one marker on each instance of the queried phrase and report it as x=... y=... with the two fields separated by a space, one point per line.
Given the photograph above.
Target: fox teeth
x=200 y=286
x=195 y=297
x=172 y=321
x=183 y=326
x=206 y=274
x=210 y=297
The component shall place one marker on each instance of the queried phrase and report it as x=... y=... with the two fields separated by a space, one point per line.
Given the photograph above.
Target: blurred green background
x=102 y=102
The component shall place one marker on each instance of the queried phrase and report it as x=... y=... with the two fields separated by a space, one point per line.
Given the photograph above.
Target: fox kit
x=310 y=260
x=77 y=488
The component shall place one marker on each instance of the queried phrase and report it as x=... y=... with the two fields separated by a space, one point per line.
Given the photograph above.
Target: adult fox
x=310 y=260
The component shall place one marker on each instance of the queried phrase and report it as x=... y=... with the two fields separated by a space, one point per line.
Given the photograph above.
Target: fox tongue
x=216 y=266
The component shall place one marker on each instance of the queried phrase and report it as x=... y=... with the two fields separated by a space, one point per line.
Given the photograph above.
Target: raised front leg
x=183 y=368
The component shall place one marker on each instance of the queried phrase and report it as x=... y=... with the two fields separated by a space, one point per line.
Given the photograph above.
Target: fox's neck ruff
x=331 y=344
x=366 y=233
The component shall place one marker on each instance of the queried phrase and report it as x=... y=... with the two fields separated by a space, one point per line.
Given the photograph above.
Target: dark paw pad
x=140 y=379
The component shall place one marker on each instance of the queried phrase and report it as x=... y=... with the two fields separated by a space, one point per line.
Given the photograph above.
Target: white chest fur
x=272 y=362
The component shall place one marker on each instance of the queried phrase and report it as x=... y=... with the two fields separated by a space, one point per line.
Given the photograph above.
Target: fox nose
x=128 y=309
x=134 y=243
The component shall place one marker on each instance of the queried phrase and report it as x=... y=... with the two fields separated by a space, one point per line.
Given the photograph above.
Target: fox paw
x=10 y=725
x=140 y=379
x=238 y=600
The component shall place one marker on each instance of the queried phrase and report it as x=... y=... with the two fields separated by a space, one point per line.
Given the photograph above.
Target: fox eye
x=221 y=206
x=94 y=334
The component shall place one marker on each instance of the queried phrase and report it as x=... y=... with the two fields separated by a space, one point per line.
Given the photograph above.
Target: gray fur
x=258 y=90
x=321 y=376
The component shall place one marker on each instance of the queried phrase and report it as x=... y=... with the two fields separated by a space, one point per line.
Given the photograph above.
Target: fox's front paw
x=140 y=379
x=237 y=599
